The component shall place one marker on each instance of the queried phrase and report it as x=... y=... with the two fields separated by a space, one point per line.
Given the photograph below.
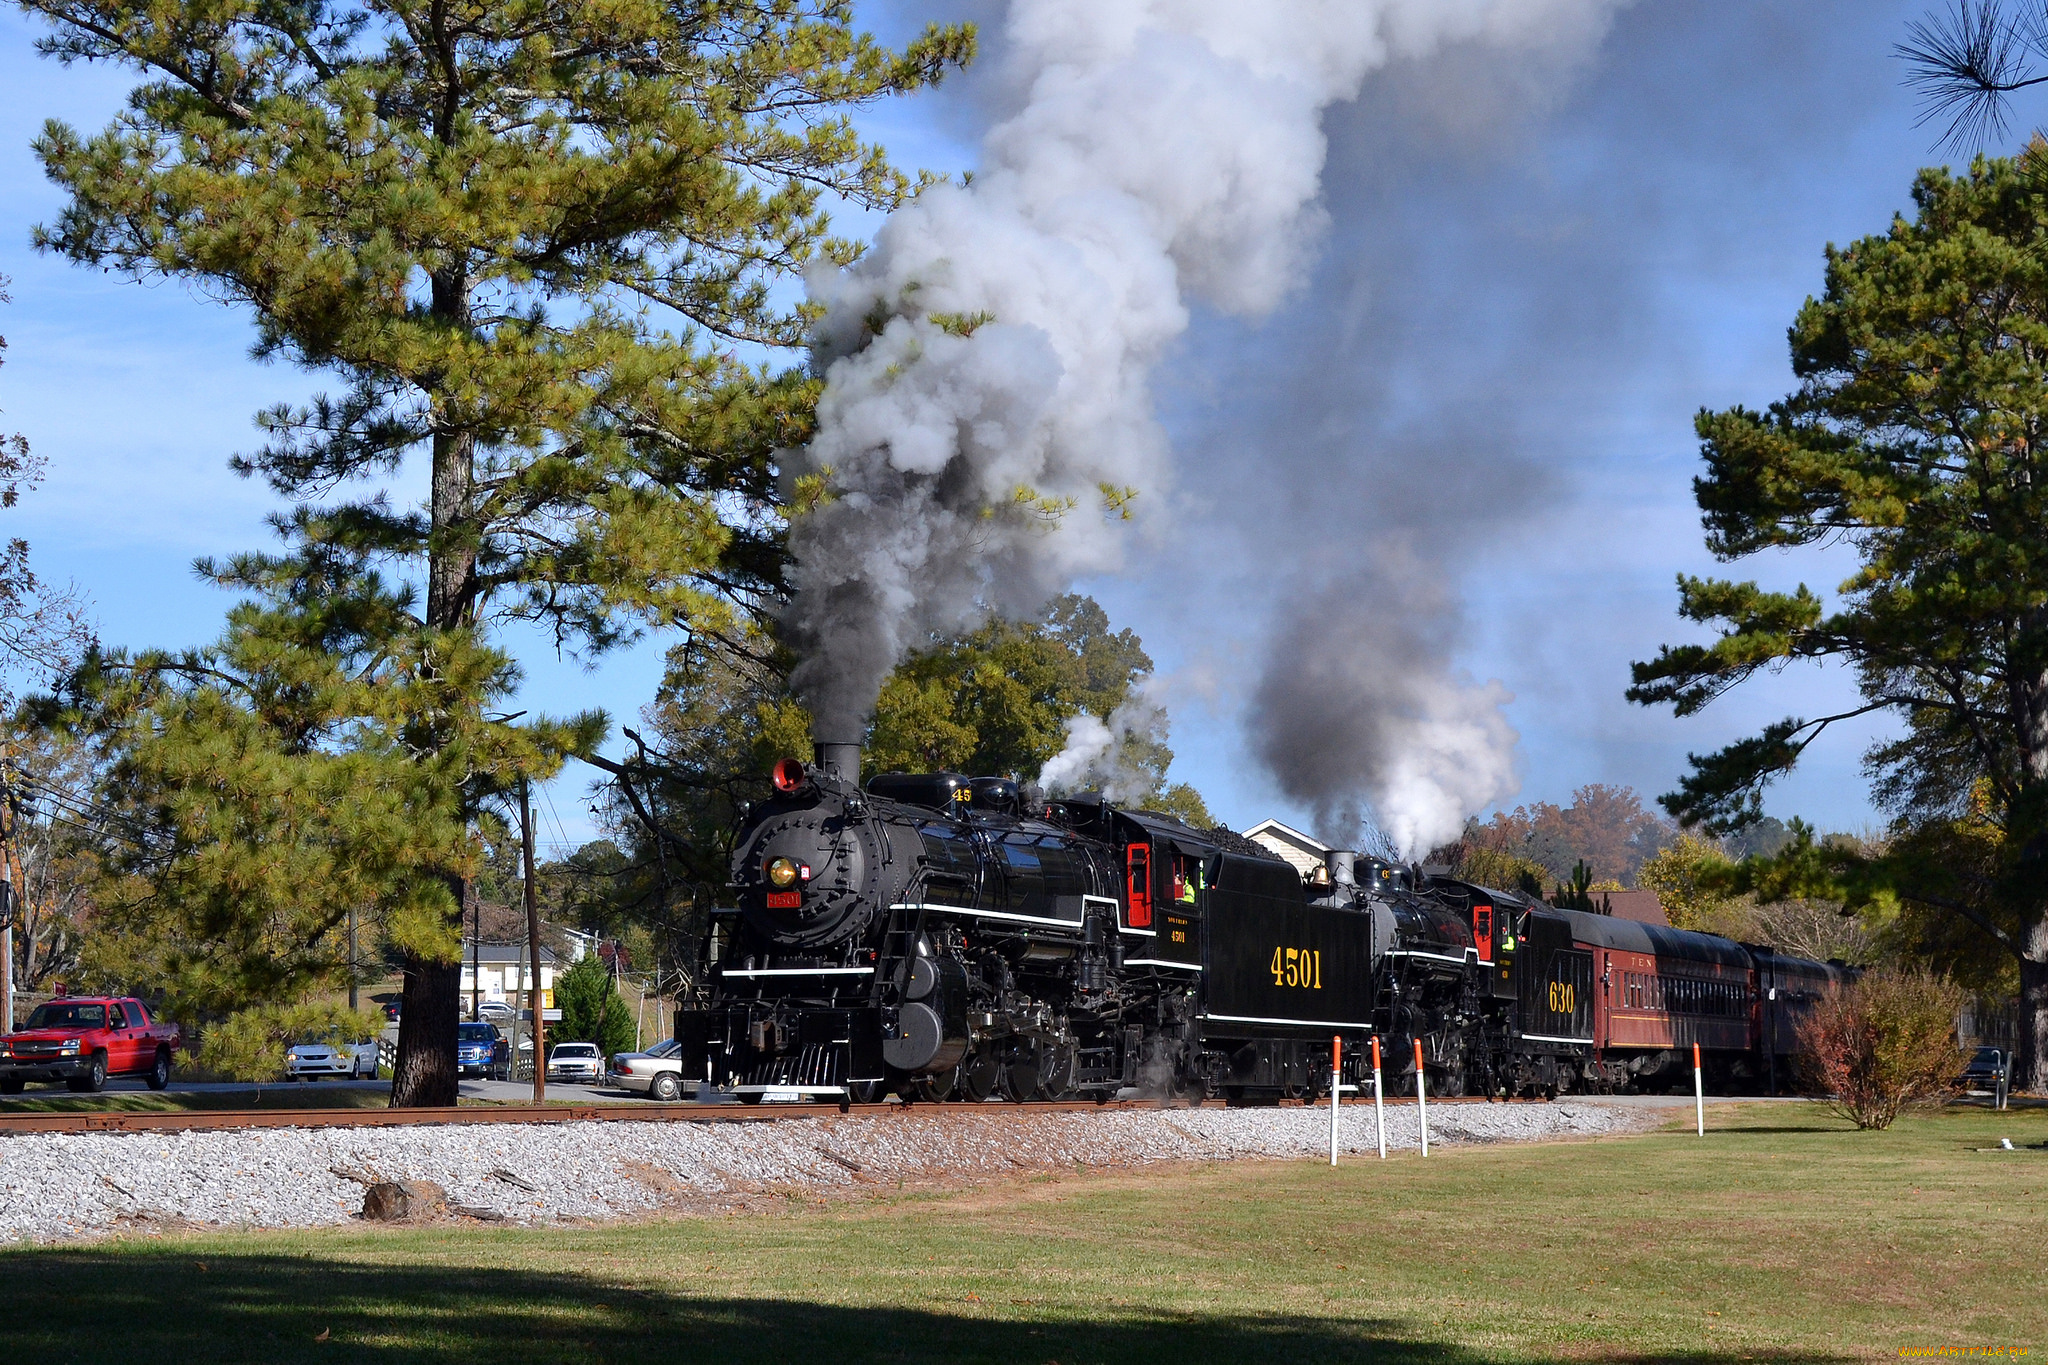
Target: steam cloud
x=986 y=363
x=1106 y=756
x=1363 y=715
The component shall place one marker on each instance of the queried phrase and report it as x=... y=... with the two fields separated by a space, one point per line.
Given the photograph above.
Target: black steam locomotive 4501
x=941 y=937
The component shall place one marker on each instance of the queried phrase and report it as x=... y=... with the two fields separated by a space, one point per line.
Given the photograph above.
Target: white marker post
x=1379 y=1109
x=1421 y=1098
x=1336 y=1089
x=1699 y=1091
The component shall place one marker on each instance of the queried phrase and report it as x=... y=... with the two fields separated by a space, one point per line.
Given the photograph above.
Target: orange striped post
x=1379 y=1109
x=1336 y=1088
x=1699 y=1091
x=1421 y=1098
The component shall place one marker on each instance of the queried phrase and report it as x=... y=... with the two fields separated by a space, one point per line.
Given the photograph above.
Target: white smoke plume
x=986 y=363
x=1363 y=716
x=1109 y=757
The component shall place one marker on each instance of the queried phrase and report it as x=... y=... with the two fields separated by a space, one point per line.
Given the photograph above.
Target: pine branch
x=1965 y=61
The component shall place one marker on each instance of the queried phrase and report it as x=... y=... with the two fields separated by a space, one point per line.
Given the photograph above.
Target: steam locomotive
x=943 y=937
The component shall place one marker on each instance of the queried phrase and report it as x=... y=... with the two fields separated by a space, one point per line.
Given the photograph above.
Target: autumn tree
x=1917 y=441
x=543 y=249
x=1605 y=827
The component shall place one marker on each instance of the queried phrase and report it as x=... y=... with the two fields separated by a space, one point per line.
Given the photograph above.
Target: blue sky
x=1559 y=272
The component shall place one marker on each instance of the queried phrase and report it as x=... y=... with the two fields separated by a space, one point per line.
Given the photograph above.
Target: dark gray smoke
x=988 y=408
x=1364 y=717
x=1456 y=404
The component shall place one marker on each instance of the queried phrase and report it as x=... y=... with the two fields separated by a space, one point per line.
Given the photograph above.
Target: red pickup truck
x=83 y=1039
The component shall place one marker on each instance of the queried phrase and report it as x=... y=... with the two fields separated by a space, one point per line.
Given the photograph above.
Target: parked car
x=331 y=1054
x=480 y=1050
x=392 y=1009
x=1988 y=1066
x=656 y=1073
x=497 y=1011
x=575 y=1062
x=82 y=1040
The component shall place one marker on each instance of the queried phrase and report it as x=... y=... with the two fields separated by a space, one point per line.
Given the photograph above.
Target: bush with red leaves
x=1884 y=1043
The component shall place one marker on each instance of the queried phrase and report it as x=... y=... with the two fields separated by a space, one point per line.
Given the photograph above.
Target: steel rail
x=197 y=1120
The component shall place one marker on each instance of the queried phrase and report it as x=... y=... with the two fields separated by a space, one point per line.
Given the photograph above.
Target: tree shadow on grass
x=141 y=1306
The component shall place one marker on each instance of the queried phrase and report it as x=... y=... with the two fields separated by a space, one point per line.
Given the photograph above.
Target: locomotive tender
x=943 y=937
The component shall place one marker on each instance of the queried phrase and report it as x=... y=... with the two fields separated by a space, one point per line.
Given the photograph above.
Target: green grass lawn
x=1781 y=1236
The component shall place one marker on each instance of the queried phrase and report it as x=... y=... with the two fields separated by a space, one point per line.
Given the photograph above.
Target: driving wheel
x=979 y=1076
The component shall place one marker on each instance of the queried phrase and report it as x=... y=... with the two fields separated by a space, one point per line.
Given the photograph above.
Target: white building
x=1304 y=851
x=500 y=971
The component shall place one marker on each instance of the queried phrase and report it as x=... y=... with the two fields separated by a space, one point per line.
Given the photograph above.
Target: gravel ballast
x=58 y=1186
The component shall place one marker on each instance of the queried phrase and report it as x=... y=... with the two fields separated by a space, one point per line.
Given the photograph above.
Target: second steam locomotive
x=944 y=937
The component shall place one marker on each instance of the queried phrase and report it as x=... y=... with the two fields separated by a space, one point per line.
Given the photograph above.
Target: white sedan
x=575 y=1062
x=656 y=1073
x=310 y=1061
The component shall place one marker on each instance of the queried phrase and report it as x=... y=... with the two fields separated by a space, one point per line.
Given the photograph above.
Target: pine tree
x=538 y=244
x=1918 y=438
x=324 y=757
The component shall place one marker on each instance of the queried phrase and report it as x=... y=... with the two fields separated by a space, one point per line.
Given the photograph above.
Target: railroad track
x=192 y=1120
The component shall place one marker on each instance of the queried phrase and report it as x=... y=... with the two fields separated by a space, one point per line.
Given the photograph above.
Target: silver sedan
x=656 y=1073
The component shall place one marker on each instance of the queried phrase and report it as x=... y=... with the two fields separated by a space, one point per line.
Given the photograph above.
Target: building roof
x=1303 y=850
x=503 y=954
x=1641 y=906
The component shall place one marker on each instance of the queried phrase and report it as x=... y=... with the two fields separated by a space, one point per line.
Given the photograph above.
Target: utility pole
x=6 y=896
x=476 y=945
x=353 y=1005
x=540 y=1056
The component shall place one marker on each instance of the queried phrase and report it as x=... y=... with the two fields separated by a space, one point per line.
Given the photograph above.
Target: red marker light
x=789 y=775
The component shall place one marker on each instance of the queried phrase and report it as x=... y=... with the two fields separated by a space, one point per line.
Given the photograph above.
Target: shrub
x=592 y=1011
x=250 y=1044
x=1885 y=1042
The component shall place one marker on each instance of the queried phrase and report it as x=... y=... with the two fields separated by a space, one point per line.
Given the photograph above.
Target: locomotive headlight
x=781 y=872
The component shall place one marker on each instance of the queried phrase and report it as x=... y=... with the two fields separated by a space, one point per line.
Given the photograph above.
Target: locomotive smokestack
x=1342 y=864
x=840 y=760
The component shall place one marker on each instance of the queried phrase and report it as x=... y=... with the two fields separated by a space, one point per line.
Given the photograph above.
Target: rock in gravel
x=397 y=1201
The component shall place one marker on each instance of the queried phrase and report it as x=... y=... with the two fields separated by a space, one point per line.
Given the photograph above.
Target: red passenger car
x=1658 y=991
